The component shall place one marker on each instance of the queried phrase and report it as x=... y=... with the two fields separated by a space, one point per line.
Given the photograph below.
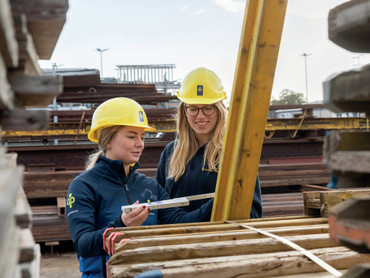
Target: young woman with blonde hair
x=189 y=164
x=95 y=197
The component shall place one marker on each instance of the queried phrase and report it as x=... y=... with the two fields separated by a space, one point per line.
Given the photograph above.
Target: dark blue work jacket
x=197 y=180
x=94 y=201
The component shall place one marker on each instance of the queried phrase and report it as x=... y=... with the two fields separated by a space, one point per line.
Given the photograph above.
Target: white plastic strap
x=287 y=242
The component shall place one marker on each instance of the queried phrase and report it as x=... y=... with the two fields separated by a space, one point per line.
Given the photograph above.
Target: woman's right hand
x=135 y=217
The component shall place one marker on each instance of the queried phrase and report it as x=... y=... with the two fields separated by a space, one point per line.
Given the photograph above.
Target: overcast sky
x=195 y=33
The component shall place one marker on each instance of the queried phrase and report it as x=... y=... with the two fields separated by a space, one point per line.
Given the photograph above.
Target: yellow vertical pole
x=254 y=76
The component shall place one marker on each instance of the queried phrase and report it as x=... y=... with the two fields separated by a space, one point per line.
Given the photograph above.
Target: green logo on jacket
x=70 y=200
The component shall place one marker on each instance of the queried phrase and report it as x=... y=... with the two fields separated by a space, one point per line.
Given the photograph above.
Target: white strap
x=287 y=242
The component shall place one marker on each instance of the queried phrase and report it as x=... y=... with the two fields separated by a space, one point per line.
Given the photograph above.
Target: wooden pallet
x=320 y=202
x=221 y=249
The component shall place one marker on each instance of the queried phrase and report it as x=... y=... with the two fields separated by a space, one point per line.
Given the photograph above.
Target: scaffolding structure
x=159 y=74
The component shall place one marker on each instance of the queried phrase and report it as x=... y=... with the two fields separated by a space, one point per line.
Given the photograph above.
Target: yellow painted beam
x=254 y=75
x=316 y=123
x=291 y=124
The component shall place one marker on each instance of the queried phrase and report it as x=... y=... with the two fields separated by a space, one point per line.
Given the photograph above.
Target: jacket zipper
x=127 y=192
x=125 y=187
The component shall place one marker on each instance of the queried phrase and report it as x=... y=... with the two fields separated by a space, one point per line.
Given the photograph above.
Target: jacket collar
x=115 y=165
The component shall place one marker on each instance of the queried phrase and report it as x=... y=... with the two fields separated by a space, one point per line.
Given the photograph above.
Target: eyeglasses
x=193 y=111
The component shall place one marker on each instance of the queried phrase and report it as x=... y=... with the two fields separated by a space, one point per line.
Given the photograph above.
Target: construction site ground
x=59 y=265
x=59 y=261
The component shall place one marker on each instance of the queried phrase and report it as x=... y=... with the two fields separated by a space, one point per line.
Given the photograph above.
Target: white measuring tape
x=170 y=203
x=285 y=241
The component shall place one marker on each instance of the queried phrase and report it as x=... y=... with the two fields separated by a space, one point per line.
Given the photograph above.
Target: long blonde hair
x=104 y=138
x=186 y=143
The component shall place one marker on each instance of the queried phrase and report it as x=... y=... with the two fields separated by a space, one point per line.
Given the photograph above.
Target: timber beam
x=254 y=76
x=33 y=90
x=349 y=25
x=350 y=225
x=45 y=21
x=348 y=91
x=20 y=119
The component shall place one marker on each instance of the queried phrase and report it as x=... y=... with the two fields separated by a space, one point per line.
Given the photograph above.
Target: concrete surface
x=61 y=265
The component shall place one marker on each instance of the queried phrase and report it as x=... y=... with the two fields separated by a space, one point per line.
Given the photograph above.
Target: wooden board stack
x=19 y=256
x=222 y=249
x=10 y=184
x=28 y=31
x=348 y=153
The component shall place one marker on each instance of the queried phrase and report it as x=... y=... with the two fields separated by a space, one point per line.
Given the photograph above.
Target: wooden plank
x=8 y=159
x=22 y=210
x=217 y=249
x=272 y=173
x=8 y=42
x=6 y=92
x=28 y=57
x=21 y=119
x=35 y=90
x=257 y=57
x=263 y=223
x=197 y=252
x=192 y=228
x=256 y=265
x=283 y=209
x=348 y=151
x=336 y=88
x=10 y=182
x=294 y=181
x=332 y=198
x=32 y=269
x=61 y=205
x=45 y=21
x=320 y=202
x=350 y=224
x=46 y=229
x=10 y=252
x=309 y=275
x=143 y=242
x=346 y=141
x=307 y=187
x=140 y=241
x=351 y=161
x=27 y=246
x=349 y=25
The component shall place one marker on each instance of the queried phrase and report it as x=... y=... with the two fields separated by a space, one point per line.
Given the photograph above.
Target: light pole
x=101 y=60
x=305 y=55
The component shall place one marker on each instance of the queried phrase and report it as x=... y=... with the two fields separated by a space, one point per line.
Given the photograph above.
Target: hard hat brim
x=93 y=135
x=201 y=100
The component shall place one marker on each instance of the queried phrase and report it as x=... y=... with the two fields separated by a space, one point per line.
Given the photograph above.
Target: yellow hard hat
x=117 y=111
x=201 y=86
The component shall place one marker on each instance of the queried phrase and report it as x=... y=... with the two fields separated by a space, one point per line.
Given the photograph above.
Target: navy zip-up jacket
x=94 y=201
x=197 y=180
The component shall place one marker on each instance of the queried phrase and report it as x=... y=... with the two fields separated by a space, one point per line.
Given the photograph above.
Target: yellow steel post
x=254 y=75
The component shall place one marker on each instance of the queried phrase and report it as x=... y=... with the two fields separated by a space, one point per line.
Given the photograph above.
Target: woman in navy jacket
x=189 y=165
x=95 y=197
